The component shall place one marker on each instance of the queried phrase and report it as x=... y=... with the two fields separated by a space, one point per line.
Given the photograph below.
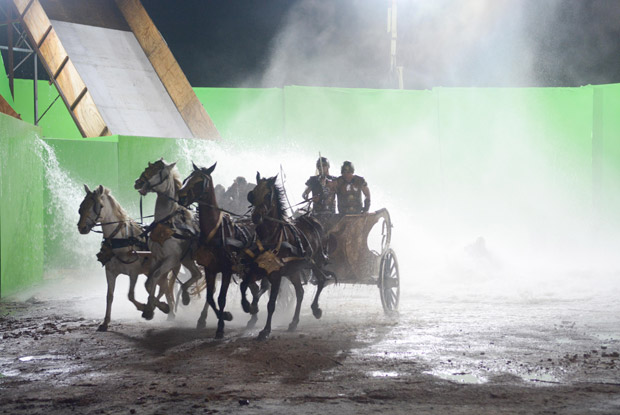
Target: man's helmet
x=347 y=167
x=322 y=161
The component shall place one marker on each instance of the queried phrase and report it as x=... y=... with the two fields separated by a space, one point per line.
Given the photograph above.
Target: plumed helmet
x=347 y=166
x=322 y=161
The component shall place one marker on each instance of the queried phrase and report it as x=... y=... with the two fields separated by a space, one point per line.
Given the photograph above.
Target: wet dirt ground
x=443 y=354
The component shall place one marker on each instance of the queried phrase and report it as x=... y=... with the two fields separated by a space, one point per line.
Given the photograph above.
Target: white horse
x=121 y=238
x=174 y=230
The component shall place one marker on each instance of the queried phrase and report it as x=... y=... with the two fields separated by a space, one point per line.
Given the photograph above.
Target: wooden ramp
x=113 y=69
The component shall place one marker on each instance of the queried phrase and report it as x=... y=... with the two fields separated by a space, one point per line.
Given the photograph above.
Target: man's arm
x=306 y=192
x=366 y=192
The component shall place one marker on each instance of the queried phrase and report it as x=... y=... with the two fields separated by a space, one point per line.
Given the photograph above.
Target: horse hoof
x=251 y=324
x=227 y=316
x=263 y=335
x=292 y=327
x=165 y=308
x=201 y=325
x=148 y=314
x=103 y=327
x=185 y=297
x=317 y=312
x=171 y=317
x=219 y=334
x=245 y=305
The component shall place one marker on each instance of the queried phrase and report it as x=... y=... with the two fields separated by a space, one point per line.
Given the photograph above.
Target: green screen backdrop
x=21 y=205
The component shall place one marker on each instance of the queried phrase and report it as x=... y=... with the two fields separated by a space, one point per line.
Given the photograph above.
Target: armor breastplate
x=350 y=196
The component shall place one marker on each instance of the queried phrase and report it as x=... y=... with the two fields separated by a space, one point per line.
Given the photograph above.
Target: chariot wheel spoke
x=389 y=282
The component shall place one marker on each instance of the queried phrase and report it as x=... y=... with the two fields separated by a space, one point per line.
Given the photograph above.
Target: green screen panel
x=5 y=89
x=21 y=206
x=606 y=145
x=515 y=157
x=245 y=114
x=57 y=122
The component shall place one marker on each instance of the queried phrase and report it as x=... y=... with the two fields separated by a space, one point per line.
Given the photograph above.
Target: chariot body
x=353 y=262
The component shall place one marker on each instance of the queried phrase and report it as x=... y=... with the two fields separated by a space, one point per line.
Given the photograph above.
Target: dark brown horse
x=284 y=247
x=221 y=241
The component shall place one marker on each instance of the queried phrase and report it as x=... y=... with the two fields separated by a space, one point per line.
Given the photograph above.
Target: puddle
x=607 y=336
x=459 y=377
x=540 y=377
x=41 y=357
x=380 y=374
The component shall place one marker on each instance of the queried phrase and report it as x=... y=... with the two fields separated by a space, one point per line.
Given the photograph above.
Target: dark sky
x=345 y=42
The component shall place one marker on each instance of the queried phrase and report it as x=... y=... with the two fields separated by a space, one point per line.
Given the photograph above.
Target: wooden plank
x=193 y=111
x=37 y=22
x=60 y=68
x=71 y=83
x=168 y=69
x=89 y=117
x=138 y=20
x=6 y=108
x=53 y=52
x=23 y=5
x=79 y=97
x=45 y=35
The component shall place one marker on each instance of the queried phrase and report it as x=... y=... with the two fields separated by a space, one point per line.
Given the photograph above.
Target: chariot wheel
x=386 y=234
x=389 y=282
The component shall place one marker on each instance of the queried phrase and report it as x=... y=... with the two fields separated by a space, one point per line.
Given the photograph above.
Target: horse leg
x=264 y=287
x=152 y=281
x=221 y=301
x=271 y=306
x=168 y=287
x=299 y=294
x=191 y=266
x=209 y=301
x=133 y=279
x=244 y=301
x=320 y=277
x=247 y=282
x=111 y=278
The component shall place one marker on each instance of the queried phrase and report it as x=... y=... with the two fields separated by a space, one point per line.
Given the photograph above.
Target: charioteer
x=349 y=190
x=321 y=185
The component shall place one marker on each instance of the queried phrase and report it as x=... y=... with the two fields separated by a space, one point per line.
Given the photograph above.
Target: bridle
x=205 y=182
x=147 y=181
x=97 y=207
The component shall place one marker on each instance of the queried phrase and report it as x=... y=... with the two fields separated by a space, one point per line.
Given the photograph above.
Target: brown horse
x=285 y=247
x=222 y=240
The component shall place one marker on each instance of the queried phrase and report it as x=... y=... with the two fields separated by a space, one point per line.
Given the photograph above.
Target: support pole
x=9 y=28
x=36 y=89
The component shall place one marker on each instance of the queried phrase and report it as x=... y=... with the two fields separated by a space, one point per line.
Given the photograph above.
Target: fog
x=450 y=43
x=517 y=217
x=508 y=216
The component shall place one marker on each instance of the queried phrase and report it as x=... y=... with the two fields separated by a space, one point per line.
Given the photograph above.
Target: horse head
x=196 y=186
x=154 y=175
x=90 y=209
x=266 y=200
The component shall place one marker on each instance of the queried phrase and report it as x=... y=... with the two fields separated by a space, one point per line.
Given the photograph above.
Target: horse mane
x=176 y=176
x=117 y=209
x=280 y=201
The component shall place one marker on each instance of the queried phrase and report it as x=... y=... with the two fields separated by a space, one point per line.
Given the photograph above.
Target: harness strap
x=215 y=228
